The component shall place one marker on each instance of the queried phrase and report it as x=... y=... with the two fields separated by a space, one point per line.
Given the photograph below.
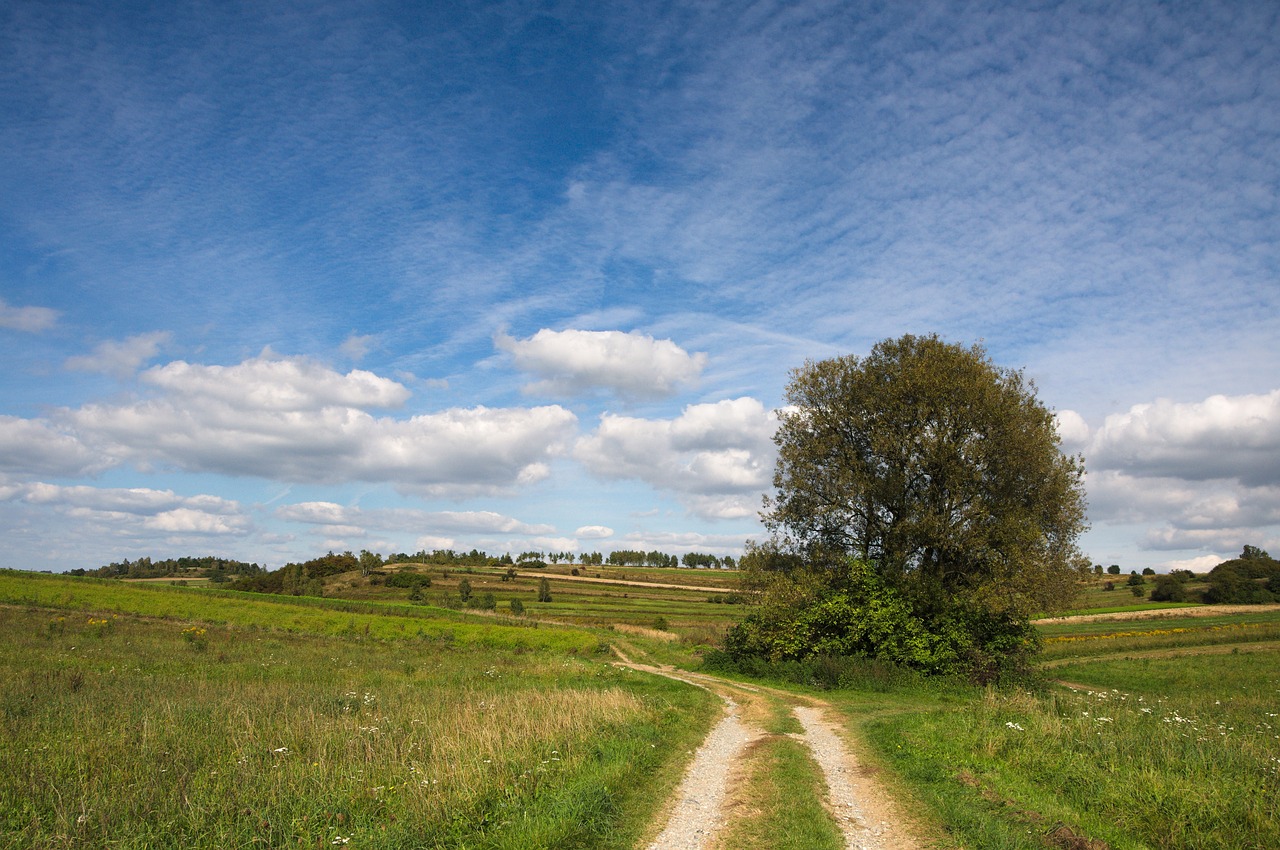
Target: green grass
x=1154 y=752
x=305 y=615
x=780 y=806
x=136 y=731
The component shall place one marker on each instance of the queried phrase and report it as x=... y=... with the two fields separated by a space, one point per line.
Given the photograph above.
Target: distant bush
x=407 y=579
x=1168 y=589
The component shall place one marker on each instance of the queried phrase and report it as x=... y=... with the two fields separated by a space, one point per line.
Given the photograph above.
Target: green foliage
x=923 y=513
x=856 y=613
x=464 y=589
x=517 y=607
x=1168 y=589
x=217 y=569
x=544 y=590
x=405 y=578
x=938 y=467
x=1114 y=570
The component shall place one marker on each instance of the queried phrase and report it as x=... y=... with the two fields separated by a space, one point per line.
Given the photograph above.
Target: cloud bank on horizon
x=533 y=277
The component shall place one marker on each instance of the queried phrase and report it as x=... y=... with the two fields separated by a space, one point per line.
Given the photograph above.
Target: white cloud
x=1072 y=429
x=717 y=458
x=121 y=358
x=594 y=532
x=138 y=511
x=36 y=447
x=269 y=383
x=1222 y=437
x=1200 y=564
x=296 y=421
x=190 y=521
x=405 y=519
x=357 y=346
x=572 y=362
x=1189 y=476
x=684 y=541
x=27 y=319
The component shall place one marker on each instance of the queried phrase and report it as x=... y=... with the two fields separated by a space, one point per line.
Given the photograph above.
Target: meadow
x=1153 y=733
x=147 y=715
x=167 y=717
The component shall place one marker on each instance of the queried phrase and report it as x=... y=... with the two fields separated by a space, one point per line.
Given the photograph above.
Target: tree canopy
x=933 y=464
x=921 y=479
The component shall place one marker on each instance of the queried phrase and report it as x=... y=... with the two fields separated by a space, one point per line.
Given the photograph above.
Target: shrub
x=865 y=618
x=517 y=607
x=1168 y=589
x=486 y=602
x=464 y=589
x=544 y=590
x=405 y=578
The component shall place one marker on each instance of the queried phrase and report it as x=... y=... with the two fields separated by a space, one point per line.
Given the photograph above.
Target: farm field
x=221 y=719
x=168 y=717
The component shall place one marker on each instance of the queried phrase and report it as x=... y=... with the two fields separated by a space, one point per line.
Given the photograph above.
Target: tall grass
x=1185 y=754
x=130 y=733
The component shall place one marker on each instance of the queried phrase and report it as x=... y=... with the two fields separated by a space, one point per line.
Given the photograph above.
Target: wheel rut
x=699 y=811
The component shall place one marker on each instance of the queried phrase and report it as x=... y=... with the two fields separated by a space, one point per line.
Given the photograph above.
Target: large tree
x=937 y=467
x=923 y=511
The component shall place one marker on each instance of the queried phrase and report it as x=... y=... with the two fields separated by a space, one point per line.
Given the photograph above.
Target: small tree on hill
x=544 y=590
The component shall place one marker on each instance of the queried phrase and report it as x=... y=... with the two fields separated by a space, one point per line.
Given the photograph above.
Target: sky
x=290 y=277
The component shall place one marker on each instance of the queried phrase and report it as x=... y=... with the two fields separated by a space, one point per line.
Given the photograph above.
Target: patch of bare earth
x=862 y=807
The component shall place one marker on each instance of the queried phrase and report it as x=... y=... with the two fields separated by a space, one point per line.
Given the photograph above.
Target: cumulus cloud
x=138 y=511
x=573 y=362
x=594 y=532
x=268 y=383
x=121 y=358
x=1072 y=429
x=1202 y=475
x=297 y=421
x=27 y=319
x=717 y=458
x=1235 y=437
x=35 y=447
x=404 y=519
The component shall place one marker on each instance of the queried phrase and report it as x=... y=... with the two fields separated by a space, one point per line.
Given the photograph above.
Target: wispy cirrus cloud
x=121 y=358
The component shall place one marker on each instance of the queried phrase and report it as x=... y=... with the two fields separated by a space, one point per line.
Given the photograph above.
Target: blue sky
x=278 y=278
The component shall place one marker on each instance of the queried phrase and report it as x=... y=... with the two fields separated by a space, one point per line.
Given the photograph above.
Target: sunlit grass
x=126 y=732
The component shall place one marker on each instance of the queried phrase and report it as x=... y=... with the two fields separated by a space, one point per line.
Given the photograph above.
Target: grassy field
x=146 y=715
x=1158 y=733
x=163 y=717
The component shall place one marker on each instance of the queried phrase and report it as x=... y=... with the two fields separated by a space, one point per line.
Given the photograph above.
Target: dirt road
x=702 y=806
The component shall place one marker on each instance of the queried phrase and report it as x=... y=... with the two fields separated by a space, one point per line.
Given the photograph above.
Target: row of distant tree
x=306 y=577
x=213 y=568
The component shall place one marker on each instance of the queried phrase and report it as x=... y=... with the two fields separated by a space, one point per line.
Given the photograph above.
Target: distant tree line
x=306 y=578
x=210 y=567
